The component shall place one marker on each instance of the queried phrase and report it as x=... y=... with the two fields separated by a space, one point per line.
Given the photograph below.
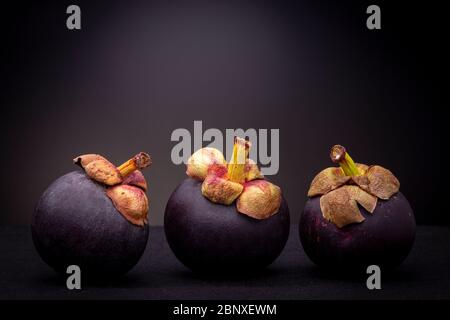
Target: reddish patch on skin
x=252 y=171
x=218 y=170
x=213 y=179
x=347 y=239
x=261 y=184
x=200 y=162
x=137 y=179
x=131 y=202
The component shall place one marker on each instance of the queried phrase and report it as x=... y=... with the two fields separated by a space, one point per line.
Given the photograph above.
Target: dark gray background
x=138 y=70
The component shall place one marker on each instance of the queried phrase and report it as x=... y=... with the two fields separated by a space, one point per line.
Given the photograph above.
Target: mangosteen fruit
x=225 y=218
x=95 y=218
x=356 y=217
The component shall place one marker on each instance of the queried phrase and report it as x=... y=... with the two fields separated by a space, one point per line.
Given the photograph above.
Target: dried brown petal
x=104 y=172
x=201 y=160
x=360 y=180
x=131 y=202
x=332 y=178
x=136 y=178
x=379 y=181
x=85 y=159
x=366 y=200
x=260 y=199
x=327 y=180
x=220 y=190
x=362 y=168
x=252 y=171
x=340 y=208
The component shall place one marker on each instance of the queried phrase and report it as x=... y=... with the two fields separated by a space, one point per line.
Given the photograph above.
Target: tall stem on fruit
x=140 y=161
x=236 y=167
x=339 y=155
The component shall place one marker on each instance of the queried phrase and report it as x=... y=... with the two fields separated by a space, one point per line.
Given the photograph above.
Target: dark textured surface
x=424 y=275
x=216 y=238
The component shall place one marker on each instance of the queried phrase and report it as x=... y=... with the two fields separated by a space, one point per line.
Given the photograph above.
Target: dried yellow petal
x=260 y=199
x=131 y=202
x=201 y=160
x=85 y=159
x=252 y=171
x=220 y=190
x=103 y=171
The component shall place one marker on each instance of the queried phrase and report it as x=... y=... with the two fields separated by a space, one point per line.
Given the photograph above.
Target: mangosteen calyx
x=343 y=188
x=240 y=180
x=125 y=185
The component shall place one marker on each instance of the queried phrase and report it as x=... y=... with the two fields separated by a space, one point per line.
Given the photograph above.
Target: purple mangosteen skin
x=216 y=239
x=75 y=223
x=384 y=238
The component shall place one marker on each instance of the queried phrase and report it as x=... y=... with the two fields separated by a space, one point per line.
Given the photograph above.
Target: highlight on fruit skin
x=224 y=182
x=356 y=216
x=95 y=218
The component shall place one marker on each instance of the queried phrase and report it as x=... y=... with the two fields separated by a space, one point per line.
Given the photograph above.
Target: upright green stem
x=339 y=155
x=236 y=167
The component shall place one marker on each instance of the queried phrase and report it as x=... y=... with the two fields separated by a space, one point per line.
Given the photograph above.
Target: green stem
x=339 y=155
x=236 y=167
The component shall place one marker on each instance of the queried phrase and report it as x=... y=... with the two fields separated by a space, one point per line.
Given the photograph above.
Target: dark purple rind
x=216 y=239
x=385 y=238
x=76 y=223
